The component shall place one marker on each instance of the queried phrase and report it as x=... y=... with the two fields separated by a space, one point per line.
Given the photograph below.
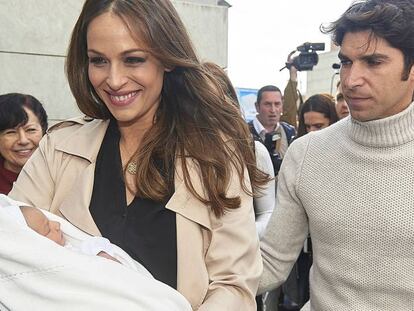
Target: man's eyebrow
x=375 y=56
x=342 y=56
x=366 y=57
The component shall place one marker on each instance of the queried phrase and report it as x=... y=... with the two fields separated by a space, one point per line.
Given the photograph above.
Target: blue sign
x=247 y=99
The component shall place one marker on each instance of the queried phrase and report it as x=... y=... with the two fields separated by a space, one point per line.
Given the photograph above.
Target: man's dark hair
x=392 y=20
x=12 y=113
x=267 y=88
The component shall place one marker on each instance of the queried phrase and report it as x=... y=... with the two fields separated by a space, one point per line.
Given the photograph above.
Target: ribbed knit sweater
x=352 y=186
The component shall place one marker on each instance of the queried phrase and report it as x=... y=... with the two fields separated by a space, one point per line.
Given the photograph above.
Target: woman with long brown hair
x=160 y=165
x=317 y=112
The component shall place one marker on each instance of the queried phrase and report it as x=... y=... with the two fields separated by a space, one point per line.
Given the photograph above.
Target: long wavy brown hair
x=323 y=103
x=191 y=123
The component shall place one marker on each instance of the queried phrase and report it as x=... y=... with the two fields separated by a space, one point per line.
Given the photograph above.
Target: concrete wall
x=208 y=28
x=323 y=78
x=35 y=34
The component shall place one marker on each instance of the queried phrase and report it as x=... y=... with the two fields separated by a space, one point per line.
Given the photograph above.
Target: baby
x=37 y=221
x=50 y=226
x=80 y=280
x=50 y=229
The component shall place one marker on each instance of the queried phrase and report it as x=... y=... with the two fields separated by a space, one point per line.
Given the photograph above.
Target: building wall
x=323 y=78
x=35 y=34
x=207 y=24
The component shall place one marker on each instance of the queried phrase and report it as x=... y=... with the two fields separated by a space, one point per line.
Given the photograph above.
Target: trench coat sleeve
x=233 y=257
x=290 y=98
x=35 y=184
x=288 y=226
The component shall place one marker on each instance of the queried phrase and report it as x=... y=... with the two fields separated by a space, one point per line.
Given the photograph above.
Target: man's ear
x=257 y=106
x=412 y=73
x=411 y=78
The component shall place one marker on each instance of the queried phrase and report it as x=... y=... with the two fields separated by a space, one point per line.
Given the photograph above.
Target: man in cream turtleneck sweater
x=352 y=185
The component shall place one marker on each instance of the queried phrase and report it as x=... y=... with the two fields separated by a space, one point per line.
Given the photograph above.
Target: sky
x=263 y=32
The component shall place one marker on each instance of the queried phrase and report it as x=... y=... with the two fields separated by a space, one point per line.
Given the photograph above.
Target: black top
x=145 y=229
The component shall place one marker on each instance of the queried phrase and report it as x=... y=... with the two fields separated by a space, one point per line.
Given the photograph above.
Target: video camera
x=307 y=57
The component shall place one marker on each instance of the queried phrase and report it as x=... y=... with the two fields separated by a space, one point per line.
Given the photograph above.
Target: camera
x=307 y=57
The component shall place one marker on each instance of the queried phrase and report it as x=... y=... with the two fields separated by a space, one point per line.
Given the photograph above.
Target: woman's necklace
x=132 y=164
x=132 y=167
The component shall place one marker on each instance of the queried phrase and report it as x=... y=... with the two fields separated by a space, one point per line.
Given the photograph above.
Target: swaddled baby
x=78 y=284
x=38 y=221
x=50 y=226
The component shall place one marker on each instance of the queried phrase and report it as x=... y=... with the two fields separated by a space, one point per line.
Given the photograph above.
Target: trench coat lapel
x=86 y=145
x=86 y=141
x=183 y=202
x=192 y=217
x=75 y=207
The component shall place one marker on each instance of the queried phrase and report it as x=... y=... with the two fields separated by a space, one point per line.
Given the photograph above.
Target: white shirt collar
x=260 y=128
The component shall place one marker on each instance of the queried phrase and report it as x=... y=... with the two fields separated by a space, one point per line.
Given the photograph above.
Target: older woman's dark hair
x=392 y=20
x=322 y=103
x=191 y=120
x=12 y=113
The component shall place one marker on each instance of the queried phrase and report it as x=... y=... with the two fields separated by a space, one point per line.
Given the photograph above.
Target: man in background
x=267 y=127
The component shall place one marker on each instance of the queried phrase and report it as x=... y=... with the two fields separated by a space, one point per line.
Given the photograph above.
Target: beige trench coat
x=218 y=260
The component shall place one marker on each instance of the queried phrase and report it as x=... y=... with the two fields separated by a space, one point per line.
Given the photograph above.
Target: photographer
x=305 y=61
x=292 y=99
x=276 y=118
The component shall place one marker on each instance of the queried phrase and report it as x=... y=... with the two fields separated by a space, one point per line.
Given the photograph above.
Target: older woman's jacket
x=218 y=259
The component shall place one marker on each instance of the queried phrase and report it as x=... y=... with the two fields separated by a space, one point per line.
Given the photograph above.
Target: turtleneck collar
x=391 y=131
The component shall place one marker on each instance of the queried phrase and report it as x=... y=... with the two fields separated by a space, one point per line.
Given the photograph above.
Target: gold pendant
x=132 y=167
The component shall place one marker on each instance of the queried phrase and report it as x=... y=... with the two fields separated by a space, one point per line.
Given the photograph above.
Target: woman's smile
x=123 y=99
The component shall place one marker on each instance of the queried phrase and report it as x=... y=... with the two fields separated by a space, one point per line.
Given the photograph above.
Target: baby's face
x=37 y=221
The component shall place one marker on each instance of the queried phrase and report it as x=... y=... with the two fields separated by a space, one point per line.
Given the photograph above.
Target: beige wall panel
x=42 y=77
x=37 y=26
x=208 y=28
x=323 y=77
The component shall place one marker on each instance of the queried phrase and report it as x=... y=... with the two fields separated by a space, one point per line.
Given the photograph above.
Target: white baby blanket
x=38 y=274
